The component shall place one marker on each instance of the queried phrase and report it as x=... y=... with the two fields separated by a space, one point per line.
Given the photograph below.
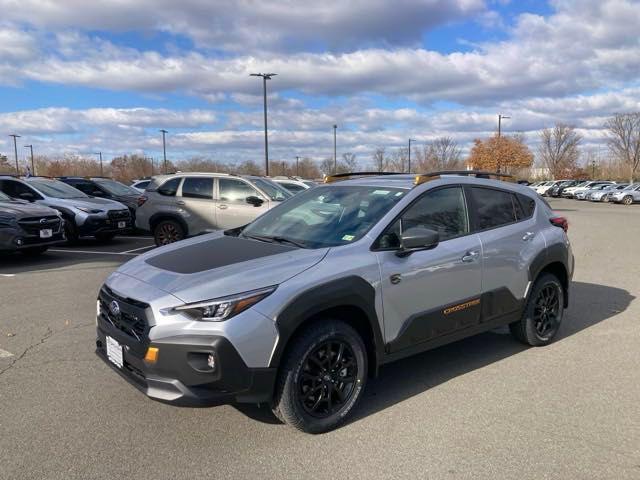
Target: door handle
x=180 y=202
x=223 y=207
x=528 y=236
x=470 y=256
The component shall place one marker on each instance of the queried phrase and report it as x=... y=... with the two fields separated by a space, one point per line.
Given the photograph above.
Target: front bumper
x=13 y=239
x=94 y=224
x=181 y=374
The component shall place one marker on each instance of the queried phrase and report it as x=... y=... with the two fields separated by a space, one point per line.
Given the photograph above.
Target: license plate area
x=46 y=233
x=114 y=351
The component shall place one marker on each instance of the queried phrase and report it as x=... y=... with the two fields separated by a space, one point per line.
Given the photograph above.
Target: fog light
x=211 y=361
x=19 y=241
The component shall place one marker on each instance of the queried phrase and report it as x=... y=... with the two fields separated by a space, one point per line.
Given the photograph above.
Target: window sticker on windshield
x=399 y=193
x=380 y=192
x=348 y=238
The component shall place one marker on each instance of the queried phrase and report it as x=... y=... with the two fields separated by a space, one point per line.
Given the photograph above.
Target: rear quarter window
x=170 y=187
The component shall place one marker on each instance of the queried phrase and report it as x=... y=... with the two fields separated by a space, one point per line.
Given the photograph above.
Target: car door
x=196 y=198
x=232 y=208
x=430 y=293
x=506 y=225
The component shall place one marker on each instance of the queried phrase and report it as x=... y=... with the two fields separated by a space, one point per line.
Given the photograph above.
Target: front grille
x=131 y=318
x=119 y=214
x=33 y=225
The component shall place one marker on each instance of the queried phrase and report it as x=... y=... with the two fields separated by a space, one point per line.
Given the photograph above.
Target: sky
x=78 y=77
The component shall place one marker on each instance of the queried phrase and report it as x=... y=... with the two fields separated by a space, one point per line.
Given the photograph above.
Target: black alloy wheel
x=546 y=310
x=328 y=377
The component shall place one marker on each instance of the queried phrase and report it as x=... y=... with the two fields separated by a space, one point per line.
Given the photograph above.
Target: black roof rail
x=425 y=177
x=343 y=176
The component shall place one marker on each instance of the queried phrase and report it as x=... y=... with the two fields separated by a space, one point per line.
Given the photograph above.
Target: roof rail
x=336 y=177
x=426 y=177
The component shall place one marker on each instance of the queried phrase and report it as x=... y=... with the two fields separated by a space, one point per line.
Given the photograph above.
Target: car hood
x=19 y=209
x=89 y=202
x=216 y=265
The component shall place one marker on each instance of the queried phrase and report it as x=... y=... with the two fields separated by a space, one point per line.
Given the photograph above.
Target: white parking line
x=7 y=275
x=135 y=238
x=94 y=251
x=5 y=354
x=137 y=249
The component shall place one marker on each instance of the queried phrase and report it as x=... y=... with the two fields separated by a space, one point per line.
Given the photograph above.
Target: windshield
x=326 y=216
x=116 y=188
x=272 y=189
x=631 y=187
x=56 y=189
x=4 y=198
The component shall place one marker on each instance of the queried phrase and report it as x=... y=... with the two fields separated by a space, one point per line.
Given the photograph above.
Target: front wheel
x=628 y=200
x=542 y=316
x=168 y=231
x=322 y=377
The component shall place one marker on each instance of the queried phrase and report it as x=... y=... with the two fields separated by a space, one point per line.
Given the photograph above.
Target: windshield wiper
x=277 y=239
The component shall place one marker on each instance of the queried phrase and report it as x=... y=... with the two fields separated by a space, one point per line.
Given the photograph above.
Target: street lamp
x=100 y=155
x=164 y=149
x=265 y=77
x=410 y=140
x=33 y=170
x=297 y=167
x=15 y=150
x=500 y=118
x=335 y=154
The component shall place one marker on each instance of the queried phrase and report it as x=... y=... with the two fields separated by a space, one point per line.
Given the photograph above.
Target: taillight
x=141 y=200
x=560 y=222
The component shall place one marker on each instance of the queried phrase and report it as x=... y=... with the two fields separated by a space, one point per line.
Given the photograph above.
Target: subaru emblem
x=114 y=308
x=43 y=221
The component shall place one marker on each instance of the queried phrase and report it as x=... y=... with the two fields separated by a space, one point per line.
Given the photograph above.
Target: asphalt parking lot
x=485 y=407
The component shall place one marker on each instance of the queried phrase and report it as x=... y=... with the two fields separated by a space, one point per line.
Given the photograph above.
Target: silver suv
x=176 y=206
x=83 y=215
x=627 y=196
x=298 y=308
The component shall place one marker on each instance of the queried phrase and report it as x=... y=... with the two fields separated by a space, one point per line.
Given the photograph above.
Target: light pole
x=335 y=150
x=265 y=77
x=33 y=170
x=297 y=166
x=15 y=150
x=100 y=156
x=164 y=149
x=500 y=118
x=410 y=140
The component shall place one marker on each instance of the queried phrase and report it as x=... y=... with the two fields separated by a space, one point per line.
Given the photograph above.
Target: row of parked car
x=592 y=190
x=39 y=212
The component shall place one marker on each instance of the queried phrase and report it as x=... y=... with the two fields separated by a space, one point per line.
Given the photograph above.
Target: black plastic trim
x=160 y=216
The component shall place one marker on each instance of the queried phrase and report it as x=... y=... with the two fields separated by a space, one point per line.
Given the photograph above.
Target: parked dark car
x=28 y=228
x=556 y=190
x=106 y=188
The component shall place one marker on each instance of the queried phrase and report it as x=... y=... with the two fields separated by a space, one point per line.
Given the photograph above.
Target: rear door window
x=198 y=187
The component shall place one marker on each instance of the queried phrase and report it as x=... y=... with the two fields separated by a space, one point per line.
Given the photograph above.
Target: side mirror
x=255 y=201
x=30 y=197
x=98 y=193
x=417 y=238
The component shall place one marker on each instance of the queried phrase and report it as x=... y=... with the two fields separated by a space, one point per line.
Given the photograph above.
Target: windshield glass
x=116 y=188
x=326 y=216
x=4 y=198
x=631 y=187
x=56 y=189
x=272 y=189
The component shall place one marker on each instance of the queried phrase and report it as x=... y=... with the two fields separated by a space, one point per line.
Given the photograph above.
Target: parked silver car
x=177 y=206
x=294 y=184
x=299 y=308
x=603 y=194
x=629 y=195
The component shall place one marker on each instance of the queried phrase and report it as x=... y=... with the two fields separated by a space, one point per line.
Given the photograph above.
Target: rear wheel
x=168 y=231
x=34 y=251
x=322 y=377
x=542 y=316
x=628 y=200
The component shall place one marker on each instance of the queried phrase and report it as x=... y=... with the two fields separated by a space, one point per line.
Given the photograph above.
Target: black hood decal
x=214 y=253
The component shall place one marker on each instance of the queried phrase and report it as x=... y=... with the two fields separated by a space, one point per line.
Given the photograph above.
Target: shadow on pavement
x=590 y=304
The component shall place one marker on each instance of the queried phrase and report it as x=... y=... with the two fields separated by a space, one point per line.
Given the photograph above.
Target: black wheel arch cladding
x=549 y=260
x=156 y=218
x=332 y=298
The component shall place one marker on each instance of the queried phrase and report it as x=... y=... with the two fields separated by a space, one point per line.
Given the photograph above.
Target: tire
x=168 y=231
x=628 y=200
x=34 y=251
x=105 y=237
x=543 y=313
x=304 y=371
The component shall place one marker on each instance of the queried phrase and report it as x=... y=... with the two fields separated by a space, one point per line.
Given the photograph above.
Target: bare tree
x=399 y=160
x=624 y=139
x=558 y=149
x=443 y=153
x=326 y=166
x=347 y=163
x=380 y=161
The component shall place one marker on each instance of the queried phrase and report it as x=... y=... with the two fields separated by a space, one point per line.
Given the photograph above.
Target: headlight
x=89 y=210
x=223 y=308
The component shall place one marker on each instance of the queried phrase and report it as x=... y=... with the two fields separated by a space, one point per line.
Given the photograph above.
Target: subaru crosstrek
x=83 y=215
x=298 y=308
x=30 y=229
